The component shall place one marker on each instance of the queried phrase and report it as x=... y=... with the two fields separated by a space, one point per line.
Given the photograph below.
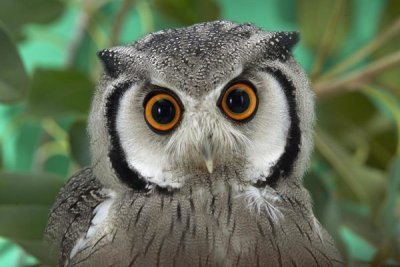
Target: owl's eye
x=162 y=111
x=239 y=101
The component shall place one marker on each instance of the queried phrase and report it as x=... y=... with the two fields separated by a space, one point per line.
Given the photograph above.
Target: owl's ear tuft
x=280 y=45
x=111 y=62
x=287 y=39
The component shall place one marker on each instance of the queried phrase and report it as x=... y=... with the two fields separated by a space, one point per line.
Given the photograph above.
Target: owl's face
x=213 y=102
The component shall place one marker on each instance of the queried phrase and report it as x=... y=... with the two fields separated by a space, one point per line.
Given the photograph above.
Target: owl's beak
x=207 y=156
x=209 y=165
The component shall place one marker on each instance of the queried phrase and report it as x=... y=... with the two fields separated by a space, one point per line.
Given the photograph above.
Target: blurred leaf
x=387 y=252
x=353 y=214
x=189 y=11
x=357 y=182
x=362 y=129
x=25 y=222
x=29 y=189
x=391 y=12
x=17 y=13
x=388 y=105
x=57 y=164
x=79 y=143
x=40 y=250
x=59 y=92
x=314 y=17
x=390 y=78
x=342 y=122
x=343 y=105
x=360 y=248
x=13 y=79
x=389 y=210
x=25 y=202
x=381 y=142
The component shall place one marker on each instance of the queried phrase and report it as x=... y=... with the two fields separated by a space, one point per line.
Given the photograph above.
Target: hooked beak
x=207 y=156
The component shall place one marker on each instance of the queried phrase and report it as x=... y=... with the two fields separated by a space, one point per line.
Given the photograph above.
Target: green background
x=351 y=50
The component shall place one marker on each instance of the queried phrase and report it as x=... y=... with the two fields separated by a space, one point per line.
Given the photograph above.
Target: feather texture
x=212 y=191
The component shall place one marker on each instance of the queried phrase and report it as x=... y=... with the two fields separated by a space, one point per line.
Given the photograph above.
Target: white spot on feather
x=263 y=200
x=100 y=215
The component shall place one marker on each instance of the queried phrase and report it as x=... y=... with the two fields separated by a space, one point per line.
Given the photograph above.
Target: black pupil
x=163 y=111
x=238 y=101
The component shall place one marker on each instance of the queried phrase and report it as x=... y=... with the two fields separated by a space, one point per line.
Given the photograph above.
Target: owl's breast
x=201 y=228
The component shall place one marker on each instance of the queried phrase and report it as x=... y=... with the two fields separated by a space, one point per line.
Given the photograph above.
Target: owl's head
x=217 y=101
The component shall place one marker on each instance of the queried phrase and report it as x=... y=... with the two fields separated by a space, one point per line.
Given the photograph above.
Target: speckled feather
x=194 y=226
x=148 y=199
x=72 y=212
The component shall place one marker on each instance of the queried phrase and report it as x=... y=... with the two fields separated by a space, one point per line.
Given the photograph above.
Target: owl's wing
x=72 y=212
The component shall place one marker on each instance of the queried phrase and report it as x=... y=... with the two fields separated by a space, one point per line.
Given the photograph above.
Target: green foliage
x=79 y=143
x=25 y=222
x=189 y=11
x=349 y=48
x=389 y=218
x=55 y=93
x=311 y=27
x=29 y=189
x=13 y=78
x=25 y=200
x=17 y=13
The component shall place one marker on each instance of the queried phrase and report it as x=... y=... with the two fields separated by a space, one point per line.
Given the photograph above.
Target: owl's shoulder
x=72 y=212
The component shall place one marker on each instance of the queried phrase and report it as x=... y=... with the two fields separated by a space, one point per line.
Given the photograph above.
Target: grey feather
x=72 y=212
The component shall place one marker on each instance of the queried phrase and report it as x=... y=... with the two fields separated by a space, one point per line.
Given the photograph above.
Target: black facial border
x=116 y=154
x=284 y=166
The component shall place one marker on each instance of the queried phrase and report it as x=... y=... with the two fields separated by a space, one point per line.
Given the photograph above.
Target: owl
x=200 y=137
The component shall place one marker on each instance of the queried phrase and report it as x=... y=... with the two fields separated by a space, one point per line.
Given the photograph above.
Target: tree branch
x=357 y=78
x=89 y=7
x=327 y=39
x=119 y=21
x=79 y=34
x=365 y=51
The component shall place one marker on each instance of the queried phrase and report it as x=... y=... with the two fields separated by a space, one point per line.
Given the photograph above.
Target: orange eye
x=162 y=111
x=239 y=101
